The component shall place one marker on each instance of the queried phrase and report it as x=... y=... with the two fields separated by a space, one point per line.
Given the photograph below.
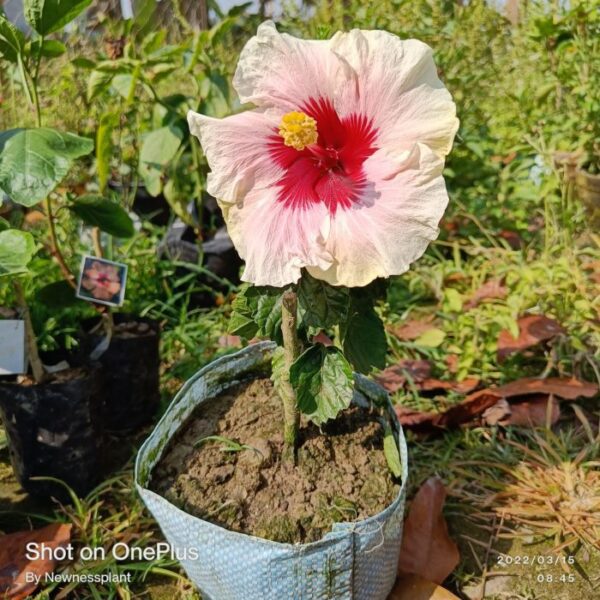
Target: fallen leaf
x=452 y=363
x=427 y=549
x=568 y=389
x=467 y=410
x=462 y=387
x=512 y=238
x=412 y=587
x=493 y=289
x=412 y=329
x=395 y=377
x=229 y=341
x=13 y=562
x=533 y=329
x=532 y=412
x=415 y=419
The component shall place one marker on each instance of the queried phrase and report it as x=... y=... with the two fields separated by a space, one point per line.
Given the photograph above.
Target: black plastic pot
x=54 y=429
x=130 y=371
x=220 y=259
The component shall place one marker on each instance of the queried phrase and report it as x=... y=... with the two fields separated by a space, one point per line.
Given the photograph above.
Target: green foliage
x=12 y=40
x=48 y=16
x=158 y=149
x=390 y=449
x=16 y=251
x=34 y=161
x=98 y=211
x=321 y=305
x=322 y=379
x=257 y=312
x=56 y=295
x=363 y=335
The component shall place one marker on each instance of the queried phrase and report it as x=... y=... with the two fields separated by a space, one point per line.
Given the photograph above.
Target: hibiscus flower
x=338 y=169
x=101 y=280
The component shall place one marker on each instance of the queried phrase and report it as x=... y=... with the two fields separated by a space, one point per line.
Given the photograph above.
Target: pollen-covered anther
x=298 y=130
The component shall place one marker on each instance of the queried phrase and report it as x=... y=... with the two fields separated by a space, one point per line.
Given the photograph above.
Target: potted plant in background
x=164 y=162
x=333 y=183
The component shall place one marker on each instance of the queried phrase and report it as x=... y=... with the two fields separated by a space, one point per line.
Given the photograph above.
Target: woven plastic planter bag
x=354 y=561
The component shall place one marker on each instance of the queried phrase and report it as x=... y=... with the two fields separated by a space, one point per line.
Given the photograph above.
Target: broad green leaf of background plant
x=320 y=304
x=49 y=48
x=108 y=122
x=364 y=340
x=16 y=250
x=241 y=321
x=56 y=295
x=109 y=216
x=158 y=149
x=47 y=16
x=34 y=161
x=323 y=381
x=12 y=40
x=432 y=338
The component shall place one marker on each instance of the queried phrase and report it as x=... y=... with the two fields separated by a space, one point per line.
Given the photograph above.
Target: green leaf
x=257 y=312
x=16 y=250
x=34 y=161
x=81 y=62
x=104 y=147
x=454 y=300
x=56 y=295
x=47 y=16
x=4 y=224
x=109 y=216
x=390 y=450
x=322 y=378
x=241 y=322
x=98 y=82
x=364 y=339
x=12 y=40
x=50 y=48
x=320 y=304
x=432 y=338
x=158 y=149
x=279 y=373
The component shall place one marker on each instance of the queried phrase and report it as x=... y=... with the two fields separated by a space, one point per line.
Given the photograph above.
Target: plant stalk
x=33 y=354
x=54 y=248
x=292 y=349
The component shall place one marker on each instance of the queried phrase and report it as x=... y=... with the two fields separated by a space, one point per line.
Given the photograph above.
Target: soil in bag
x=236 y=478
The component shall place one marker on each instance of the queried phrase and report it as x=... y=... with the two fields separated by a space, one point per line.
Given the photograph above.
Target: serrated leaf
x=47 y=16
x=279 y=374
x=364 y=339
x=320 y=304
x=432 y=338
x=97 y=211
x=158 y=149
x=12 y=40
x=323 y=381
x=390 y=450
x=257 y=312
x=34 y=161
x=241 y=322
x=16 y=250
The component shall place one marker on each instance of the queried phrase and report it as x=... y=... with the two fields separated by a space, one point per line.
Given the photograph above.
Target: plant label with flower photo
x=102 y=281
x=12 y=347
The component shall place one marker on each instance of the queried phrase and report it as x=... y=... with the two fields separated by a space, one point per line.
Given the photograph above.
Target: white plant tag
x=12 y=347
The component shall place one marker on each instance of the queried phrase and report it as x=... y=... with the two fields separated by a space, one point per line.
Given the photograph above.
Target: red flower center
x=330 y=170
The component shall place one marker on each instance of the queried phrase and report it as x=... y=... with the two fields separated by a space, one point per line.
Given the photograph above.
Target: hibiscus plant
x=35 y=160
x=329 y=185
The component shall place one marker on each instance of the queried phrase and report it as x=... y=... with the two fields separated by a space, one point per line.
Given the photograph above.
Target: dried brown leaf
x=393 y=378
x=412 y=329
x=533 y=329
x=493 y=289
x=566 y=388
x=13 y=562
x=427 y=549
x=412 y=587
